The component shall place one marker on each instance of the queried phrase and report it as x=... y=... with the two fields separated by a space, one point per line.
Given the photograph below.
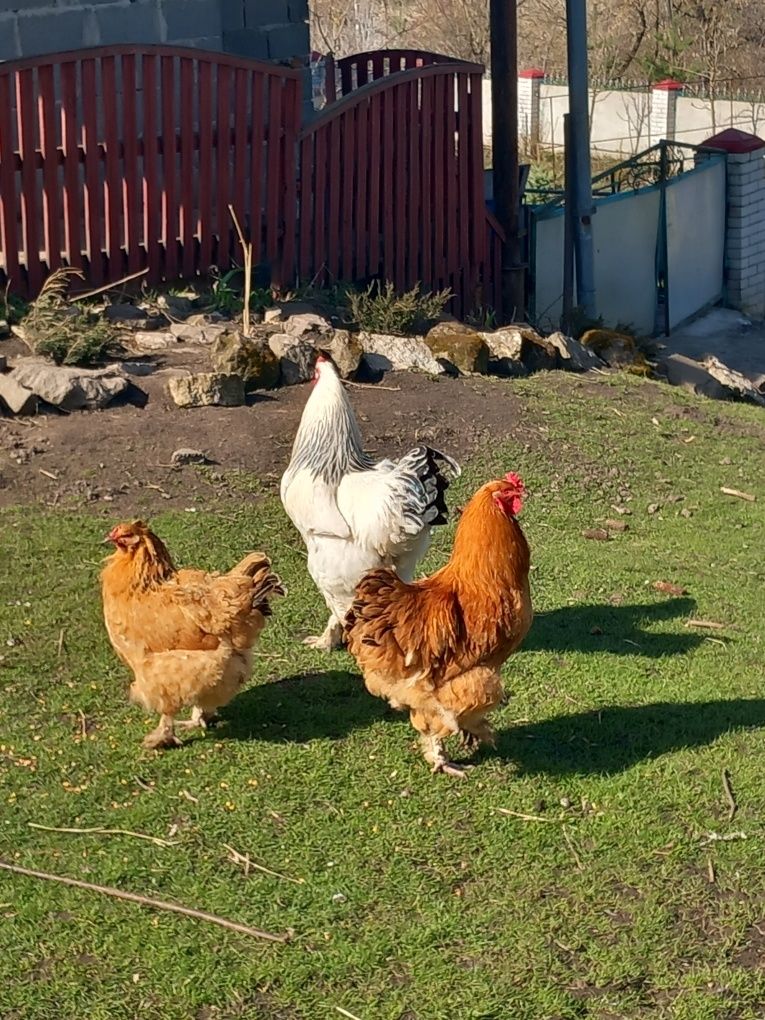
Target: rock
x=616 y=349
x=71 y=388
x=738 y=384
x=397 y=354
x=296 y=358
x=204 y=389
x=153 y=341
x=574 y=356
x=458 y=346
x=344 y=349
x=139 y=367
x=505 y=352
x=208 y=319
x=306 y=322
x=17 y=398
x=3 y=363
x=272 y=315
x=197 y=333
x=539 y=355
x=252 y=360
x=5 y=329
x=124 y=313
x=175 y=306
x=699 y=379
x=188 y=456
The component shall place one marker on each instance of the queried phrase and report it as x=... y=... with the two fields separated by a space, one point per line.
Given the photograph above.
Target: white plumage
x=355 y=514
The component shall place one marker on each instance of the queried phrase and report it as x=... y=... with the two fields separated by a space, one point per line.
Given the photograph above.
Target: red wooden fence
x=392 y=186
x=114 y=160
x=361 y=68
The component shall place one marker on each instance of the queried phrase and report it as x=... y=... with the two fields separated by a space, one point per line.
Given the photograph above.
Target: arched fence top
x=8 y=67
x=396 y=55
x=389 y=82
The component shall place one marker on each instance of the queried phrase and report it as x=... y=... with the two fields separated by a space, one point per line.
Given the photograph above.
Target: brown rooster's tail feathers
x=251 y=564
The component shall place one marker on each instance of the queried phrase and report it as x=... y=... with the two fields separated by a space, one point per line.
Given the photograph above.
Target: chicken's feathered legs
x=433 y=731
x=331 y=639
x=162 y=736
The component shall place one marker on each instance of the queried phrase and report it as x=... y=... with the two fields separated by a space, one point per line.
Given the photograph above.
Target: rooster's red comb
x=516 y=481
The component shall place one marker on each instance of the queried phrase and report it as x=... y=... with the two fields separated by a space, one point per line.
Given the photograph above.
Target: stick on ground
x=728 y=790
x=145 y=901
x=96 y=831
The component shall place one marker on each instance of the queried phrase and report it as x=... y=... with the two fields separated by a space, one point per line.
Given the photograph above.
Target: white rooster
x=354 y=514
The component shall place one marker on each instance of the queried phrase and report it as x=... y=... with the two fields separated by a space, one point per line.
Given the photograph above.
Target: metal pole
x=568 y=229
x=578 y=105
x=504 y=128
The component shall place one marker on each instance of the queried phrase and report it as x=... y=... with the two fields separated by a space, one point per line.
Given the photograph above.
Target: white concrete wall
x=621 y=119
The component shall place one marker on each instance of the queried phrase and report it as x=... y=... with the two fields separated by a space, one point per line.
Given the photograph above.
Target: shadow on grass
x=570 y=629
x=306 y=706
x=615 y=737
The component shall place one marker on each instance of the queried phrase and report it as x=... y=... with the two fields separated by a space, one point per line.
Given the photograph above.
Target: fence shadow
x=611 y=739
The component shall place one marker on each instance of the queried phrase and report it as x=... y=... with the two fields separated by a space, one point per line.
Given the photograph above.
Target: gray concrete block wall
x=259 y=29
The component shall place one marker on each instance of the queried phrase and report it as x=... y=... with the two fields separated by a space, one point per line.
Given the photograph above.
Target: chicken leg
x=433 y=731
x=330 y=640
x=163 y=736
x=199 y=720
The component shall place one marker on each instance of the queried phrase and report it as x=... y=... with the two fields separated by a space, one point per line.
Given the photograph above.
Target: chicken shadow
x=303 y=707
x=611 y=739
x=614 y=629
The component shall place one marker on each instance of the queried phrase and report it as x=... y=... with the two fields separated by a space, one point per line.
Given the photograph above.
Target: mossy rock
x=617 y=349
x=252 y=360
x=459 y=348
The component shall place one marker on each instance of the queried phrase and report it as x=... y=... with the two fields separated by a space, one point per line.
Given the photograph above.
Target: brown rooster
x=186 y=635
x=434 y=647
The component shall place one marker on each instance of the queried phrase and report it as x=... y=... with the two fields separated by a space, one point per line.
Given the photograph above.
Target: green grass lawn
x=412 y=896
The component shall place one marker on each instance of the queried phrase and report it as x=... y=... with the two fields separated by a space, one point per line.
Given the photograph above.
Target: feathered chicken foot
x=330 y=640
x=162 y=736
x=433 y=752
x=200 y=720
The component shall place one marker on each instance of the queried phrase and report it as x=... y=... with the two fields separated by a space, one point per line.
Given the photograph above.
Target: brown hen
x=187 y=635
x=434 y=647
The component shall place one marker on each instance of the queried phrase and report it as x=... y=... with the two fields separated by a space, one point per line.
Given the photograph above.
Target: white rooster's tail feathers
x=435 y=471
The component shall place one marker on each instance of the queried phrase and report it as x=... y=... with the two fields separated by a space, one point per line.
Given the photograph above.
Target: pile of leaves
x=66 y=333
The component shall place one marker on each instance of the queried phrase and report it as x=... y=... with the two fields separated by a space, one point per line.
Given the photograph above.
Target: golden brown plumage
x=434 y=647
x=187 y=635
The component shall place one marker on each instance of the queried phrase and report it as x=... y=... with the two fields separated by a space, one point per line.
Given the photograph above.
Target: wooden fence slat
x=93 y=190
x=347 y=206
x=402 y=209
x=439 y=189
x=375 y=121
x=307 y=213
x=258 y=154
x=361 y=211
x=388 y=186
x=320 y=207
x=133 y=215
x=113 y=171
x=475 y=188
x=426 y=179
x=453 y=197
x=171 y=229
x=205 y=155
x=8 y=200
x=152 y=178
x=273 y=206
x=333 y=185
x=49 y=148
x=290 y=132
x=463 y=181
x=25 y=113
x=188 y=250
x=72 y=187
x=223 y=168
x=413 y=269
x=239 y=148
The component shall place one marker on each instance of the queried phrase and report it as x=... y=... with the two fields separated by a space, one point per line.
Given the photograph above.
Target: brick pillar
x=663 y=118
x=529 y=85
x=745 y=220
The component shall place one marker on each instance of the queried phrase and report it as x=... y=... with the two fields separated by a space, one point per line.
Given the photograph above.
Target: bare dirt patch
x=120 y=457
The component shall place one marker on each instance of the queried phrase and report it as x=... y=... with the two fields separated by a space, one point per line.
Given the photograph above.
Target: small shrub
x=381 y=310
x=65 y=333
x=482 y=319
